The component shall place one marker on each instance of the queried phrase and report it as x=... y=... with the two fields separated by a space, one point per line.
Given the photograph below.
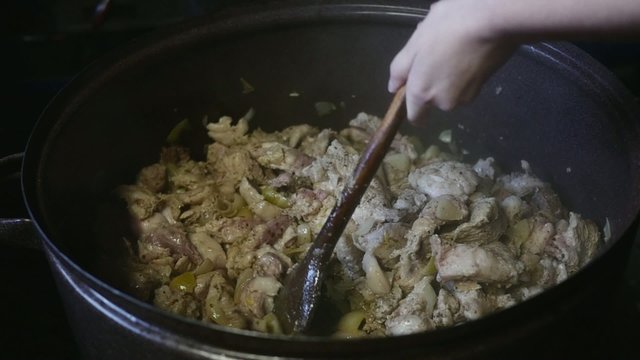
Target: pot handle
x=18 y=232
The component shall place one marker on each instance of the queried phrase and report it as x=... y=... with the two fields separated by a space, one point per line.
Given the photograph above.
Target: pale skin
x=460 y=43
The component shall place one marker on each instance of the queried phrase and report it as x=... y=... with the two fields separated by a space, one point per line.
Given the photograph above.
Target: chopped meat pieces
x=433 y=243
x=444 y=178
x=489 y=263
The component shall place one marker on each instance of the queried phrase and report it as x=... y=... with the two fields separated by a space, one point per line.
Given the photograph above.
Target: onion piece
x=376 y=278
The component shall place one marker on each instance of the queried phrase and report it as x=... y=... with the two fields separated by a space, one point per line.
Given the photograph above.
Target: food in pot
x=435 y=242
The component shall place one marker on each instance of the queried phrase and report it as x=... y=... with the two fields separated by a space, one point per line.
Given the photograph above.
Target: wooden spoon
x=297 y=300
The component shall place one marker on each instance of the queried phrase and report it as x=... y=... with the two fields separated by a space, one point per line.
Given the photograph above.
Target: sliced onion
x=376 y=278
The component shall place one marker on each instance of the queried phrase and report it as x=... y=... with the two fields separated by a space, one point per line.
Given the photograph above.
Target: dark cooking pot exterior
x=551 y=104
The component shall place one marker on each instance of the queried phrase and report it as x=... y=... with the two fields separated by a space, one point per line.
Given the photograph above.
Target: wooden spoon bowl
x=297 y=300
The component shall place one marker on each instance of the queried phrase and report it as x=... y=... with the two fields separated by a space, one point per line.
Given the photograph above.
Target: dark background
x=45 y=43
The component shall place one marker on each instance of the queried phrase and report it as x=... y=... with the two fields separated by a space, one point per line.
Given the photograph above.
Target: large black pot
x=551 y=105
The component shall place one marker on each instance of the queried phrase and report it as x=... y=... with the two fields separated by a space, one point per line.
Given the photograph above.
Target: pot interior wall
x=574 y=129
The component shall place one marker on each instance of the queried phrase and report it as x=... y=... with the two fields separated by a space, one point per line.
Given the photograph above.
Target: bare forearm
x=525 y=20
x=462 y=42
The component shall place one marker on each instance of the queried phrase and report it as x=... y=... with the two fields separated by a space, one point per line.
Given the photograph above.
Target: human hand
x=449 y=57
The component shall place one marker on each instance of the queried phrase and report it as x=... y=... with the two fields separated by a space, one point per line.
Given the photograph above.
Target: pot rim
x=558 y=54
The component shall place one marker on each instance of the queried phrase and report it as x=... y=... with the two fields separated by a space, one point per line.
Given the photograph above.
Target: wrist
x=491 y=22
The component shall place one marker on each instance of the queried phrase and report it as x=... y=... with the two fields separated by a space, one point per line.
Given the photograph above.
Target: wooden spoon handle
x=303 y=285
x=360 y=179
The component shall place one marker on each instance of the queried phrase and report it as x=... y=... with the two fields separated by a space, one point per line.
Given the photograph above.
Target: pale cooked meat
x=305 y=203
x=216 y=238
x=330 y=173
x=195 y=196
x=403 y=145
x=295 y=135
x=231 y=164
x=548 y=272
x=364 y=125
x=241 y=254
x=437 y=212
x=472 y=300
x=547 y=202
x=378 y=307
x=414 y=255
x=274 y=229
x=330 y=170
x=153 y=177
x=444 y=178
x=365 y=122
x=177 y=302
x=393 y=240
x=270 y=264
x=542 y=232
x=317 y=146
x=375 y=204
x=382 y=240
x=148 y=252
x=229 y=230
x=447 y=310
x=486 y=223
x=190 y=174
x=515 y=208
x=219 y=306
x=275 y=155
x=487 y=263
x=576 y=241
x=395 y=167
x=143 y=279
x=408 y=272
x=140 y=201
x=414 y=311
x=410 y=201
x=255 y=296
x=475 y=302
x=356 y=135
x=282 y=180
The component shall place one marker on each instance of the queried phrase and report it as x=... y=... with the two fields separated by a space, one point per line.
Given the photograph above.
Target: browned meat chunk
x=174 y=239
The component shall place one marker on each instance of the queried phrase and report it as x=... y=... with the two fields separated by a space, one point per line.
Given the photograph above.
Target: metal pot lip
x=66 y=101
